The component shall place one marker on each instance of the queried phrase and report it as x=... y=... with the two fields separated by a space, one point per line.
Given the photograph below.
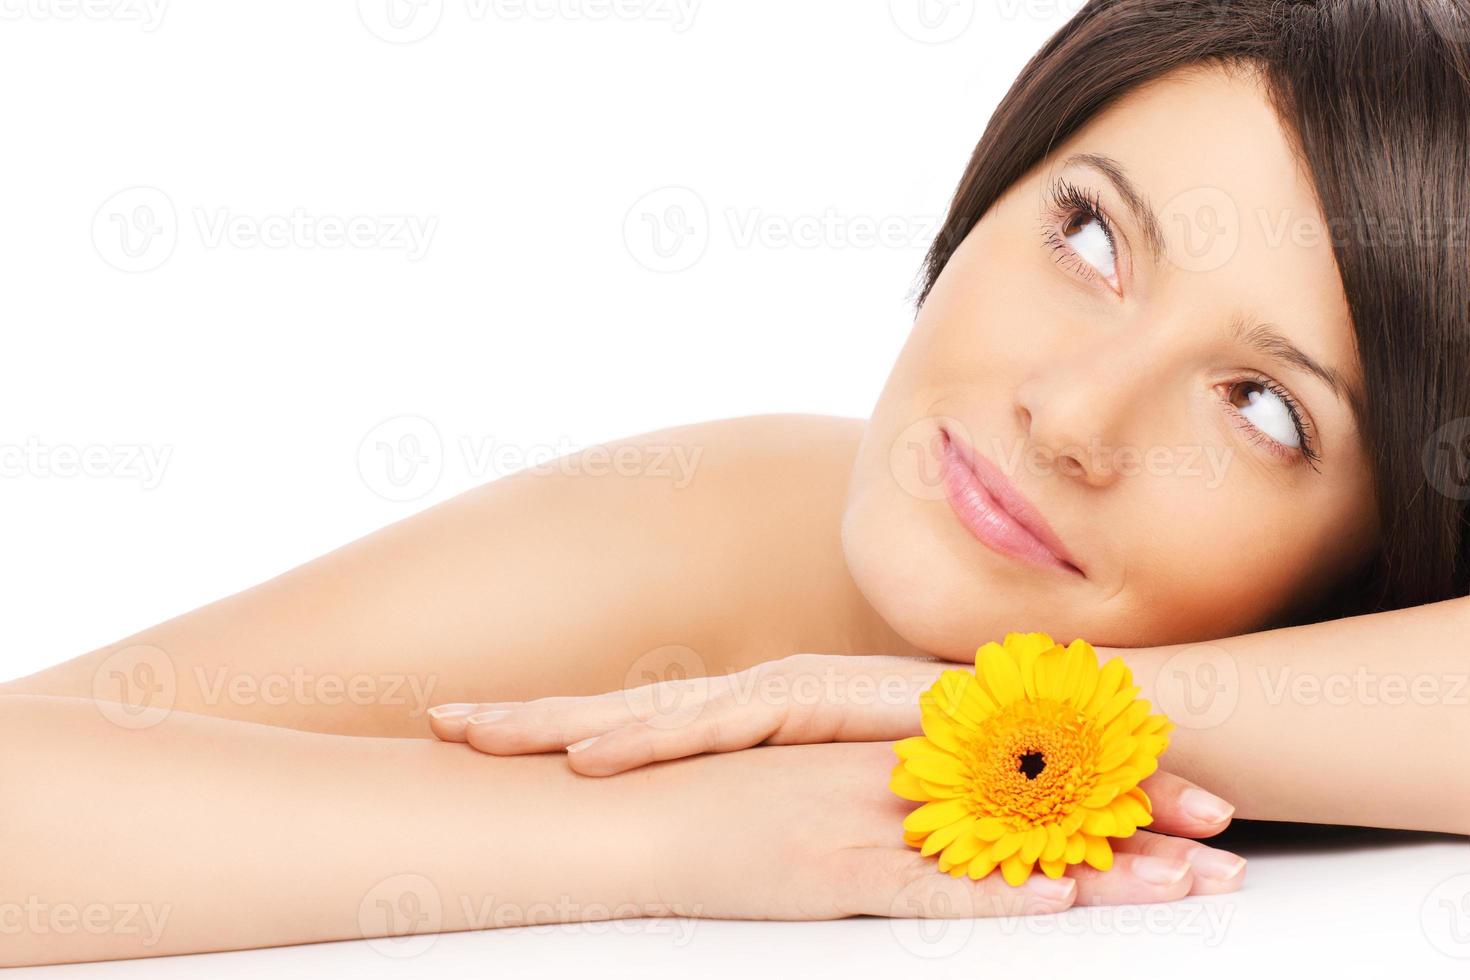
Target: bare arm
x=202 y=834
x=1362 y=721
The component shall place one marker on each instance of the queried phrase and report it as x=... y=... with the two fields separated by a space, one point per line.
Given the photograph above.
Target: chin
x=910 y=581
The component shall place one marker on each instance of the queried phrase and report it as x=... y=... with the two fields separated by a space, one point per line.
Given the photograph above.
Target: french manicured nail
x=1058 y=890
x=1203 y=806
x=1215 y=864
x=1159 y=871
x=579 y=746
x=443 y=711
x=485 y=716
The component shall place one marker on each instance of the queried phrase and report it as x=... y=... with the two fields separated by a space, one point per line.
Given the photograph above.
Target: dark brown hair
x=1376 y=96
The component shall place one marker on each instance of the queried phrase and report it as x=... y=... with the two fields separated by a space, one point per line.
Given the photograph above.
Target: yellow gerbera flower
x=1033 y=758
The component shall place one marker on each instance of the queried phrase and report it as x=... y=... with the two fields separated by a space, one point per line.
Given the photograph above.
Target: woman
x=1108 y=422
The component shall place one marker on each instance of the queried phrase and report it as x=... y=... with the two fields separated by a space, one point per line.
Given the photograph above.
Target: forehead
x=1237 y=208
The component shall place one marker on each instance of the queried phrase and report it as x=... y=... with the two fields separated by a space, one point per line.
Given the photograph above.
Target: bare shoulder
x=758 y=440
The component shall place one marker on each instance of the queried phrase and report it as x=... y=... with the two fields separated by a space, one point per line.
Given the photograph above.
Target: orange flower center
x=1032 y=762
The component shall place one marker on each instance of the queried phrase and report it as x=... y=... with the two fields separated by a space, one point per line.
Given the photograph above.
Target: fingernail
x=1058 y=890
x=579 y=746
x=1159 y=871
x=450 y=710
x=485 y=716
x=1203 y=806
x=1213 y=863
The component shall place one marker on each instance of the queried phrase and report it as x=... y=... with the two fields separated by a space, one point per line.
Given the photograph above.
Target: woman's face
x=1124 y=412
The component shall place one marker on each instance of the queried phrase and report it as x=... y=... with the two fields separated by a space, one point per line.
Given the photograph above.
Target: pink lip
x=995 y=512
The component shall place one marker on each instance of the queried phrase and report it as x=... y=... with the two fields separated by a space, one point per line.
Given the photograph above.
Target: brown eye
x=1267 y=410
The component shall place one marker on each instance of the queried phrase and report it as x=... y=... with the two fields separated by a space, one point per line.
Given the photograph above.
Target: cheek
x=1221 y=562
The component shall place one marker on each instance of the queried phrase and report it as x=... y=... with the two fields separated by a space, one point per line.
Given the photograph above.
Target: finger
x=542 y=725
x=1184 y=809
x=1216 y=871
x=448 y=721
x=724 y=726
x=1133 y=879
x=550 y=724
x=903 y=884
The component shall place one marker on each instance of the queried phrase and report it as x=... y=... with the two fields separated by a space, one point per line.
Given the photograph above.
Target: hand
x=812 y=832
x=801 y=699
x=806 y=698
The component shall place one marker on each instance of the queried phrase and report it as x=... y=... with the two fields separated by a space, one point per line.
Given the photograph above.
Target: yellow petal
x=1101 y=796
x=990 y=828
x=943 y=768
x=965 y=847
x=1115 y=752
x=1076 y=849
x=940 y=730
x=1033 y=844
x=1144 y=765
x=904 y=784
x=980 y=866
x=1113 y=709
x=1080 y=677
x=1109 y=680
x=932 y=816
x=939 y=791
x=1056 y=844
x=1051 y=669
x=1016 y=871
x=1098 y=854
x=905 y=747
x=1006 y=846
x=1002 y=678
x=1128 y=810
x=1099 y=823
x=1053 y=869
x=944 y=836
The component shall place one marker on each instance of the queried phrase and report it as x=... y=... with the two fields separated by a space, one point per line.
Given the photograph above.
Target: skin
x=1054 y=363
x=575 y=585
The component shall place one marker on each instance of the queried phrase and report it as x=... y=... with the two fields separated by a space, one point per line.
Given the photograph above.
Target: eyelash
x=1069 y=205
x=1305 y=452
x=1072 y=204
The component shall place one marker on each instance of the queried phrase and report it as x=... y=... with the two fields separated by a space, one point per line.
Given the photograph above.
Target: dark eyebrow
x=1137 y=201
x=1271 y=342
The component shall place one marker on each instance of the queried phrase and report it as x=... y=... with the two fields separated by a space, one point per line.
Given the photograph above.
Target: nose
x=1077 y=410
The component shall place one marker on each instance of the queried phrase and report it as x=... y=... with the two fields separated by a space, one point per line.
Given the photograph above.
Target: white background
x=200 y=380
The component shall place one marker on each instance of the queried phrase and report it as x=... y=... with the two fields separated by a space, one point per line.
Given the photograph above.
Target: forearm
x=1362 y=721
x=203 y=834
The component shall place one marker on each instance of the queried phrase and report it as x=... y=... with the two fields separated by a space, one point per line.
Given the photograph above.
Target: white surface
x=535 y=321
x=1346 y=904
